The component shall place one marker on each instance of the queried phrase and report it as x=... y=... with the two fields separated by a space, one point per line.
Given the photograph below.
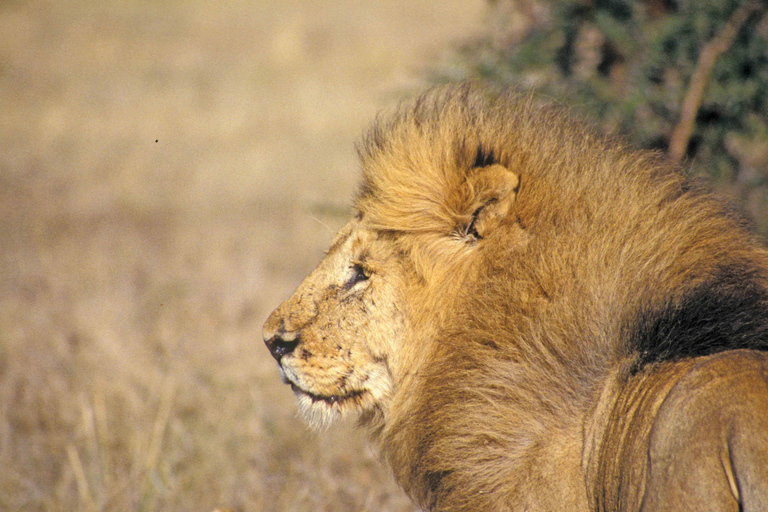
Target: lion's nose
x=281 y=343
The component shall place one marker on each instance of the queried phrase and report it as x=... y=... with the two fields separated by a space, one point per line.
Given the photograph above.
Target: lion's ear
x=493 y=189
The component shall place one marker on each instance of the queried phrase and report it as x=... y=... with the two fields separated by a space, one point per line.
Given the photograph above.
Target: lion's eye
x=358 y=274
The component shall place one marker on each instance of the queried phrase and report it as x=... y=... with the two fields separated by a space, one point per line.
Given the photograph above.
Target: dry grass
x=160 y=168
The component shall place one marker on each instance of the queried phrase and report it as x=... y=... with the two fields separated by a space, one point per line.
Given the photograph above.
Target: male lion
x=528 y=316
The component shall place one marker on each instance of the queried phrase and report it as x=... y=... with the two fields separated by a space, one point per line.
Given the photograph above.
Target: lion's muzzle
x=280 y=343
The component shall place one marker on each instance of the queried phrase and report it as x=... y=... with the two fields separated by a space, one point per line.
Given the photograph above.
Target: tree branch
x=678 y=142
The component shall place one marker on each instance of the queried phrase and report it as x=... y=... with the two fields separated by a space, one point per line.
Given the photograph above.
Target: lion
x=527 y=315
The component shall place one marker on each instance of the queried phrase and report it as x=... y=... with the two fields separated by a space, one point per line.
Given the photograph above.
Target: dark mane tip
x=729 y=312
x=484 y=158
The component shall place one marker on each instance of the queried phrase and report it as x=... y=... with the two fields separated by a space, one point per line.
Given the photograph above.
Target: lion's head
x=357 y=325
x=336 y=339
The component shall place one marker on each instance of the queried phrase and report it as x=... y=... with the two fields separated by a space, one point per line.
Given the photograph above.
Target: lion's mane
x=610 y=265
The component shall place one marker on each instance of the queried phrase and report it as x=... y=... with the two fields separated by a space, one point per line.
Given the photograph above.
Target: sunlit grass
x=147 y=232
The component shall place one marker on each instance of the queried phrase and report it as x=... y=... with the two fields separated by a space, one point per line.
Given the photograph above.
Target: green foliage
x=629 y=64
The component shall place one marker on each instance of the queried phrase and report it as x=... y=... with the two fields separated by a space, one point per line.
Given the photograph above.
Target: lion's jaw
x=334 y=337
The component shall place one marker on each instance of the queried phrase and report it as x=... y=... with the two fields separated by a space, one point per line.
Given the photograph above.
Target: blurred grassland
x=169 y=171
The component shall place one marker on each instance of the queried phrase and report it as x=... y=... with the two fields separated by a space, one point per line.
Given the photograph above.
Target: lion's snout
x=280 y=342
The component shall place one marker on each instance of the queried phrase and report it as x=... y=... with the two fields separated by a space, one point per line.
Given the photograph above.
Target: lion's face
x=334 y=339
x=364 y=318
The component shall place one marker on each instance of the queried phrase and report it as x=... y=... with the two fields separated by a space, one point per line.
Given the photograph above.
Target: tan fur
x=527 y=316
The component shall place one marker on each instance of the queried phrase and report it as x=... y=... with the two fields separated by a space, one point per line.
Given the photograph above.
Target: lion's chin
x=321 y=411
x=330 y=400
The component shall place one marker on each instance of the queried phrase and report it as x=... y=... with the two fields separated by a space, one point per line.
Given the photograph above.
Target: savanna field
x=169 y=171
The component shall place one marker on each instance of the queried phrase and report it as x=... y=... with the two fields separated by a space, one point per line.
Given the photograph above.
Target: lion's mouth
x=338 y=399
x=328 y=399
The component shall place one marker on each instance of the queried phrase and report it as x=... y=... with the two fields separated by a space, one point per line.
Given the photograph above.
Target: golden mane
x=626 y=261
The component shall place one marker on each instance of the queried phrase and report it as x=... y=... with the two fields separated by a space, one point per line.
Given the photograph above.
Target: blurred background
x=170 y=171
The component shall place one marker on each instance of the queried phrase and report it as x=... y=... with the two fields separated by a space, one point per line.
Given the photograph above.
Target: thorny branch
x=720 y=44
